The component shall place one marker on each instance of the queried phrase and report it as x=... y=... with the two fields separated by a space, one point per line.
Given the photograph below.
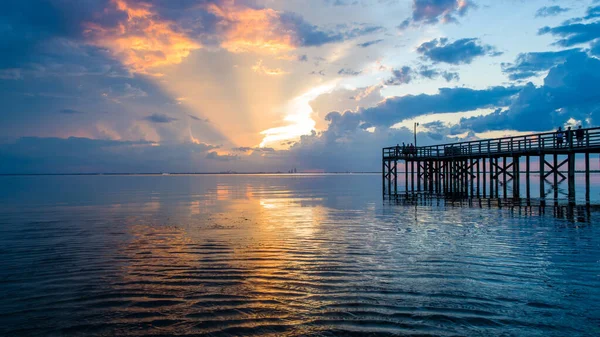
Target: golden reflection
x=250 y=250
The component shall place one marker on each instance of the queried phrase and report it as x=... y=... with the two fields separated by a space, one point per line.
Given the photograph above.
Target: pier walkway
x=492 y=168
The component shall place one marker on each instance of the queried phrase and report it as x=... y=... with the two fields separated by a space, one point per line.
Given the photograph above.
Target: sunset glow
x=259 y=85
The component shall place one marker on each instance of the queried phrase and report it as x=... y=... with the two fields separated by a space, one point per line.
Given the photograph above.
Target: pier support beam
x=527 y=180
x=542 y=181
x=516 y=179
x=555 y=171
x=571 y=179
x=484 y=181
x=587 y=181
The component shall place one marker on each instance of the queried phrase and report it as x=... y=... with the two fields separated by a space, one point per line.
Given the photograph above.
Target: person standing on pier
x=559 y=137
x=569 y=137
x=579 y=136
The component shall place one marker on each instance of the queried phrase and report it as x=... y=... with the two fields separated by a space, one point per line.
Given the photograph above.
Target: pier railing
x=546 y=142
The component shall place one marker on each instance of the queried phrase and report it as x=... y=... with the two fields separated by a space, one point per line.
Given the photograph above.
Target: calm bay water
x=282 y=255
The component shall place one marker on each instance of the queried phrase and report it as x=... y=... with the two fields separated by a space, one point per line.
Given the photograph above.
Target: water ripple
x=282 y=257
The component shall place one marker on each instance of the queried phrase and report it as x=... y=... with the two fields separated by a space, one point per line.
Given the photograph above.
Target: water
x=282 y=256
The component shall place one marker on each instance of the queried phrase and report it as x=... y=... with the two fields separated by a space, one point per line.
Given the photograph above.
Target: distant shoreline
x=222 y=173
x=181 y=173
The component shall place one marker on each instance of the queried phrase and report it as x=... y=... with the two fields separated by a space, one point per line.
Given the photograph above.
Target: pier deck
x=486 y=168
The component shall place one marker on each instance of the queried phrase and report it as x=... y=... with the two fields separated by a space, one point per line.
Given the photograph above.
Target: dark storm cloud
x=550 y=11
x=369 y=43
x=396 y=109
x=434 y=11
x=569 y=91
x=461 y=51
x=573 y=34
x=531 y=64
x=160 y=118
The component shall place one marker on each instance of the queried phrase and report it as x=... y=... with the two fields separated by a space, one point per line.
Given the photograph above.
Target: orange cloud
x=252 y=30
x=144 y=41
x=261 y=69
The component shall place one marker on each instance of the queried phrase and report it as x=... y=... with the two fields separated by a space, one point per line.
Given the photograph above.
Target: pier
x=491 y=169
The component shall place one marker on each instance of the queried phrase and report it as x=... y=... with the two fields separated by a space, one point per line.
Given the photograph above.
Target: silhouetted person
x=403 y=148
x=559 y=136
x=397 y=150
x=569 y=136
x=579 y=135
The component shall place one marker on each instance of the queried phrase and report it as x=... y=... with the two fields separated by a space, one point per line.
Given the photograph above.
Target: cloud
x=573 y=34
x=70 y=111
x=550 y=11
x=397 y=109
x=259 y=68
x=160 y=118
x=407 y=74
x=569 y=91
x=349 y=72
x=252 y=149
x=462 y=51
x=221 y=157
x=369 y=43
x=450 y=76
x=348 y=143
x=205 y=120
x=303 y=58
x=140 y=39
x=532 y=64
x=592 y=12
x=10 y=74
x=432 y=73
x=85 y=155
x=265 y=30
x=400 y=76
x=433 y=11
x=121 y=91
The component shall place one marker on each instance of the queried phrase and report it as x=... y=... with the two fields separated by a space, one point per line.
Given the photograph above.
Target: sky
x=141 y=86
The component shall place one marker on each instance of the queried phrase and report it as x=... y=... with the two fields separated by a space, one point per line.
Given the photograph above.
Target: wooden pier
x=484 y=169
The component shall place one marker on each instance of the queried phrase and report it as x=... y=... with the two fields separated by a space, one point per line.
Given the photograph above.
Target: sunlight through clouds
x=299 y=117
